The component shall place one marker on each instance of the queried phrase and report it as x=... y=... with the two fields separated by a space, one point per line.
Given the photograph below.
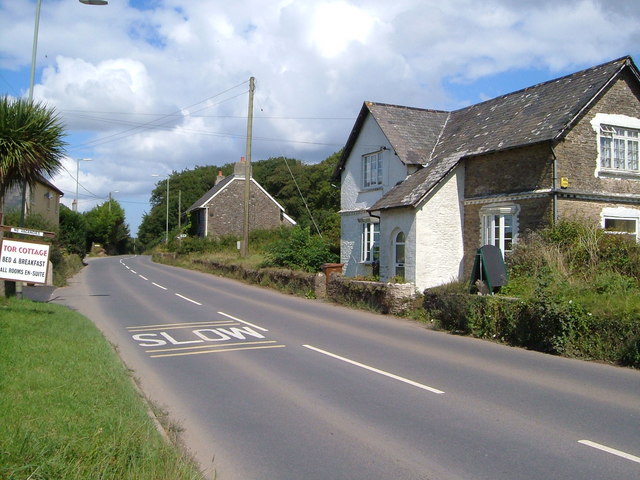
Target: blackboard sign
x=489 y=268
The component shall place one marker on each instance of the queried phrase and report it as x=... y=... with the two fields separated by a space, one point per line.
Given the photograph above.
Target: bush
x=299 y=250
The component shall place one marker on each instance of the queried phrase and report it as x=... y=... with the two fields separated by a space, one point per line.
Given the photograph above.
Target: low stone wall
x=288 y=280
x=391 y=298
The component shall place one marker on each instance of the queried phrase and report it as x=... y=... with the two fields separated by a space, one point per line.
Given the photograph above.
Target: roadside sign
x=23 y=261
x=26 y=231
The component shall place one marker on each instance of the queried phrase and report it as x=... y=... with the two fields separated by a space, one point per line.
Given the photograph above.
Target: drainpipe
x=379 y=221
x=555 y=187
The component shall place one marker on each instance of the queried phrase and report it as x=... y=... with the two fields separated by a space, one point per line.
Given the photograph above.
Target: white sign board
x=24 y=261
x=26 y=231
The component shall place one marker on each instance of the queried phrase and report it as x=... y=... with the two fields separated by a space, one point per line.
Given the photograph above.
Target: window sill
x=613 y=173
x=371 y=189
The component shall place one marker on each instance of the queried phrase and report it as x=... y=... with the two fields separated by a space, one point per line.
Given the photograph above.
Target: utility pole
x=179 y=208
x=244 y=251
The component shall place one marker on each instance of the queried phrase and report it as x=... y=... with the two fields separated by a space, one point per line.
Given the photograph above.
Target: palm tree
x=31 y=142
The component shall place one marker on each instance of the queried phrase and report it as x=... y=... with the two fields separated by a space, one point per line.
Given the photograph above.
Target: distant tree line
x=304 y=190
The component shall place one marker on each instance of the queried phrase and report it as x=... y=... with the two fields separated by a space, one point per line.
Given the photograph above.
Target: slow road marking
x=196 y=338
x=375 y=370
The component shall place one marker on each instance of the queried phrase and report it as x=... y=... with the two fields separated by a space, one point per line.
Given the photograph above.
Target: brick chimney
x=239 y=168
x=219 y=178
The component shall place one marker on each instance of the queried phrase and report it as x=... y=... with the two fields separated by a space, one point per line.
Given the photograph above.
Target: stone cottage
x=220 y=211
x=422 y=190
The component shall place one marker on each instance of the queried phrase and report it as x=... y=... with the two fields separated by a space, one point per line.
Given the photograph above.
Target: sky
x=150 y=87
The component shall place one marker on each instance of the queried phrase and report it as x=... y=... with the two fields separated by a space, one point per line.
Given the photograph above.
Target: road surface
x=271 y=386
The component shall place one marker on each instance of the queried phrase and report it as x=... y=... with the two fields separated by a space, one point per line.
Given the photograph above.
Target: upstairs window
x=372 y=170
x=619 y=149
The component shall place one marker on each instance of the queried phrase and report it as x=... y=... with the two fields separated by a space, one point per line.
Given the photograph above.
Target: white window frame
x=372 y=170
x=619 y=149
x=397 y=265
x=607 y=128
x=495 y=223
x=624 y=214
x=370 y=242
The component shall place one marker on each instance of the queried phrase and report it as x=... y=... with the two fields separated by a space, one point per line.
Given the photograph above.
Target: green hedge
x=547 y=323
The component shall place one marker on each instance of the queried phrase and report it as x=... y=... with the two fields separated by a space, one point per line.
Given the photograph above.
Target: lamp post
x=114 y=191
x=32 y=75
x=74 y=204
x=166 y=235
x=35 y=39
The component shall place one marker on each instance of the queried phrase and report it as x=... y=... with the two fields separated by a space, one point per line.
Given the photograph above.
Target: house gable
x=220 y=211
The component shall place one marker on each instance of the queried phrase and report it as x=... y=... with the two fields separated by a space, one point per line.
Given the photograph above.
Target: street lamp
x=35 y=39
x=74 y=204
x=32 y=75
x=166 y=235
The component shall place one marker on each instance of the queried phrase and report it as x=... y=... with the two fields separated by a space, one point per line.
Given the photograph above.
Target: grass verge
x=68 y=408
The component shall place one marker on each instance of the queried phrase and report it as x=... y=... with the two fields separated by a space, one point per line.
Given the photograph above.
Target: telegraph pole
x=244 y=251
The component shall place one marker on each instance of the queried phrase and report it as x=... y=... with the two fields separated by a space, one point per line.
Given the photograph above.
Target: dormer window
x=619 y=149
x=372 y=170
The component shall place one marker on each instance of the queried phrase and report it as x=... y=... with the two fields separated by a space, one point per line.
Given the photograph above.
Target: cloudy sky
x=149 y=87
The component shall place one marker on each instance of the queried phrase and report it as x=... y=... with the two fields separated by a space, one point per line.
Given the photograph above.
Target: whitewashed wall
x=440 y=220
x=354 y=200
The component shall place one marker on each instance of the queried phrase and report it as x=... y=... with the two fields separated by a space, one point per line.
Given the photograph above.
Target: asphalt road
x=270 y=386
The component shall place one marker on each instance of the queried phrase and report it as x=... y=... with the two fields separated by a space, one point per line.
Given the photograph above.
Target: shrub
x=299 y=250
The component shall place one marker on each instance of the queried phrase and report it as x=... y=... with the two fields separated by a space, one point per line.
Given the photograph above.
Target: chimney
x=219 y=178
x=239 y=168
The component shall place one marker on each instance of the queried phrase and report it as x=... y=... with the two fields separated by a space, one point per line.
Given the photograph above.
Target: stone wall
x=511 y=171
x=577 y=154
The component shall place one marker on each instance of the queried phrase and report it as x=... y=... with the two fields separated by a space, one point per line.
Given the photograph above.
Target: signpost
x=23 y=261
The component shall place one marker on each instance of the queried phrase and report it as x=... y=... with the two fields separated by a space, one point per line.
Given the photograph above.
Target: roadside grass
x=68 y=407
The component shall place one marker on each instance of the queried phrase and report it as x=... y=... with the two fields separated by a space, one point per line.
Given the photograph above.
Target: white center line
x=159 y=286
x=243 y=321
x=142 y=277
x=613 y=451
x=375 y=370
x=187 y=299
x=133 y=271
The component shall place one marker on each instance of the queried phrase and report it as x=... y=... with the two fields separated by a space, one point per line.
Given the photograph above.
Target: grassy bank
x=68 y=408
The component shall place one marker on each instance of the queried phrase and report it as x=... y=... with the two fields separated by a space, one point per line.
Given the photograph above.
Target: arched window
x=398 y=257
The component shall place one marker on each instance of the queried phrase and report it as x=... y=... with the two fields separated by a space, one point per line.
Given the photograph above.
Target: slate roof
x=541 y=113
x=203 y=200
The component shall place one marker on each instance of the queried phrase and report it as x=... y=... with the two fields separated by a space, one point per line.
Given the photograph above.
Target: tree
x=106 y=226
x=73 y=231
x=31 y=142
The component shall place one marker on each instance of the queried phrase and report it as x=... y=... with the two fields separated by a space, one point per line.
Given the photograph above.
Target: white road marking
x=375 y=370
x=224 y=350
x=162 y=326
x=613 y=451
x=133 y=271
x=159 y=286
x=188 y=299
x=242 y=321
x=142 y=277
